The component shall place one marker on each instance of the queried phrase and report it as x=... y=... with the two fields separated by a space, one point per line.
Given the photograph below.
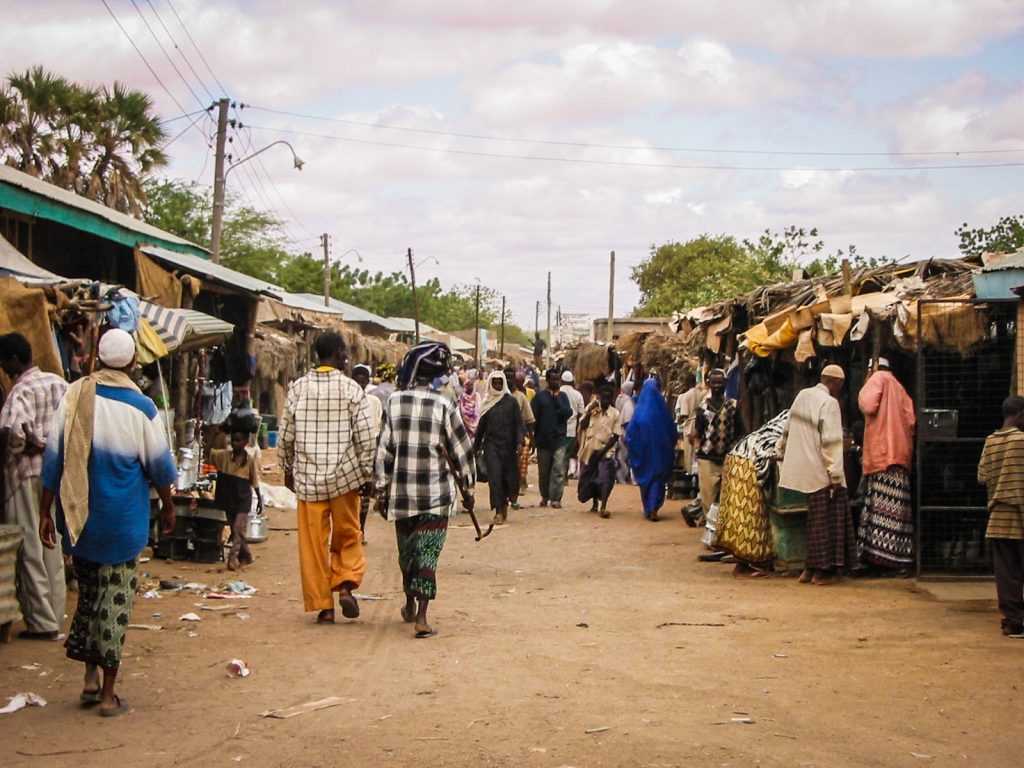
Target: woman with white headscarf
x=499 y=433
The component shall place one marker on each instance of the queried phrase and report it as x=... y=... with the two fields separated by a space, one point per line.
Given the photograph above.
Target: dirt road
x=564 y=640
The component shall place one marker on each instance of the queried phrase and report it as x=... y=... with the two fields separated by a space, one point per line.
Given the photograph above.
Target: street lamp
x=219 y=188
x=327 y=268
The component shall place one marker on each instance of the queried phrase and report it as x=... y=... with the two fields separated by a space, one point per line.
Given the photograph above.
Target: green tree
x=1005 y=236
x=182 y=209
x=100 y=143
x=702 y=271
x=792 y=247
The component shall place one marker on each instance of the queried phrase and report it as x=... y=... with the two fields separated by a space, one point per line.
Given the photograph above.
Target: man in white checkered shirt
x=422 y=440
x=326 y=449
x=25 y=423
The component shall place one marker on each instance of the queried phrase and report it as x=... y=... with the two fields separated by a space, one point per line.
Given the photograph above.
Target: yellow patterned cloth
x=743 y=526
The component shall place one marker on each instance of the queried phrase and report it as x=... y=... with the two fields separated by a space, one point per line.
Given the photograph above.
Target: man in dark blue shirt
x=552 y=411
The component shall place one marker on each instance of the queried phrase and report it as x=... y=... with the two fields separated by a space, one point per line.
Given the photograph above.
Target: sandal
x=90 y=698
x=325 y=617
x=349 y=606
x=120 y=709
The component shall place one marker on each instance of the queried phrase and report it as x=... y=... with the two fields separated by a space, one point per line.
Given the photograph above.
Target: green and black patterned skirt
x=105 y=597
x=420 y=541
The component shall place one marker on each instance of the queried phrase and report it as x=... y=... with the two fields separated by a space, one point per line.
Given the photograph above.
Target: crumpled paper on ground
x=22 y=700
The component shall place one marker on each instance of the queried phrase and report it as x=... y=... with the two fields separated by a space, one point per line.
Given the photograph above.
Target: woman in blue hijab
x=651 y=436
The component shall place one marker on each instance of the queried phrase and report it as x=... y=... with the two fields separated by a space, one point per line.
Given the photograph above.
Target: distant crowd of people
x=79 y=462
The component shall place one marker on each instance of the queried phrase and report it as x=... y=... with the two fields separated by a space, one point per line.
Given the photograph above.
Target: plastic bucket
x=272 y=438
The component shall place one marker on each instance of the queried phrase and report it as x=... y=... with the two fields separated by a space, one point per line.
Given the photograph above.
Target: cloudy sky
x=506 y=142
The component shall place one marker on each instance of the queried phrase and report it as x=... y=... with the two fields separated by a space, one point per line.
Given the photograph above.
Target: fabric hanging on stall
x=762 y=343
x=218 y=406
x=805 y=346
x=155 y=283
x=124 y=312
x=860 y=330
x=833 y=328
x=148 y=343
x=26 y=311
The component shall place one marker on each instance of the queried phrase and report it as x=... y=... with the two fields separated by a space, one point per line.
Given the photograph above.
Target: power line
x=166 y=120
x=177 y=47
x=634 y=164
x=198 y=116
x=587 y=145
x=165 y=53
x=141 y=56
x=202 y=58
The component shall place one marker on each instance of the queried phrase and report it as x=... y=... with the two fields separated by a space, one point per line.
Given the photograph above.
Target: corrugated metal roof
x=352 y=313
x=1013 y=261
x=120 y=226
x=232 y=278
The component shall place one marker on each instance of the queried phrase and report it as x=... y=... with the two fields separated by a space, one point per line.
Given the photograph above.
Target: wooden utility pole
x=325 y=242
x=501 y=344
x=536 y=320
x=217 y=225
x=415 y=303
x=611 y=301
x=476 y=334
x=547 y=359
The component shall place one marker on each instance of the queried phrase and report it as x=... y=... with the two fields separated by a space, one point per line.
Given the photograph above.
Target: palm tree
x=126 y=138
x=99 y=143
x=29 y=104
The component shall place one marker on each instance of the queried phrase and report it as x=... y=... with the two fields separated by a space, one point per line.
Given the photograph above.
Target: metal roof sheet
x=232 y=278
x=352 y=313
x=122 y=223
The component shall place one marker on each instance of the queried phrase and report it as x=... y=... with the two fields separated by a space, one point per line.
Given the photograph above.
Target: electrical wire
x=201 y=57
x=165 y=53
x=198 y=116
x=141 y=56
x=635 y=164
x=177 y=47
x=587 y=145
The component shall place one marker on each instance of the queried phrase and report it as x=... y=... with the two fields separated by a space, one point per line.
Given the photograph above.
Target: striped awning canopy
x=185 y=329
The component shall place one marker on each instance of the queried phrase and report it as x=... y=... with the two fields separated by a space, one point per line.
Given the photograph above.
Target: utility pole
x=501 y=344
x=325 y=242
x=548 y=358
x=536 y=320
x=217 y=225
x=611 y=300
x=415 y=303
x=476 y=336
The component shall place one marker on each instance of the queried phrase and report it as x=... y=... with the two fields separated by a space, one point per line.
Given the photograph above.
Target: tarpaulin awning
x=13 y=262
x=184 y=329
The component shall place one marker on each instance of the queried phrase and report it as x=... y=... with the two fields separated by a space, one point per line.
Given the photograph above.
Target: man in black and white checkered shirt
x=422 y=441
x=326 y=449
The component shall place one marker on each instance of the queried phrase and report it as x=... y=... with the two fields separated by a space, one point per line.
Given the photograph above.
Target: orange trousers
x=330 y=548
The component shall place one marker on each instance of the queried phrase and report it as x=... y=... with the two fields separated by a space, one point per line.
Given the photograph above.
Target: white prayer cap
x=567 y=377
x=834 y=371
x=117 y=348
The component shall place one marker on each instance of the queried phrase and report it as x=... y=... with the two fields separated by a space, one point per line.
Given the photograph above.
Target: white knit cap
x=567 y=377
x=117 y=348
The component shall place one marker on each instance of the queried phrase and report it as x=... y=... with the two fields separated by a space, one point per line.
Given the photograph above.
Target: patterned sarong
x=524 y=461
x=886 y=533
x=105 y=597
x=420 y=541
x=830 y=542
x=743 y=526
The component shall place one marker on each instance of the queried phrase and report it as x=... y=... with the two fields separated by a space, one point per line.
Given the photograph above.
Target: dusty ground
x=565 y=640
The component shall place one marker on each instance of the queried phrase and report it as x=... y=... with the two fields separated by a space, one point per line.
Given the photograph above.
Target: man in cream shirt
x=812 y=462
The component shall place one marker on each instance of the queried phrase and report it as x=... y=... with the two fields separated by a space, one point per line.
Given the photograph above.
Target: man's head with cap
x=116 y=349
x=567 y=377
x=833 y=377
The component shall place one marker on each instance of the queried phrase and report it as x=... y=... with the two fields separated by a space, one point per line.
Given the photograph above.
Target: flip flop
x=120 y=709
x=408 y=616
x=90 y=698
x=325 y=616
x=422 y=633
x=349 y=606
